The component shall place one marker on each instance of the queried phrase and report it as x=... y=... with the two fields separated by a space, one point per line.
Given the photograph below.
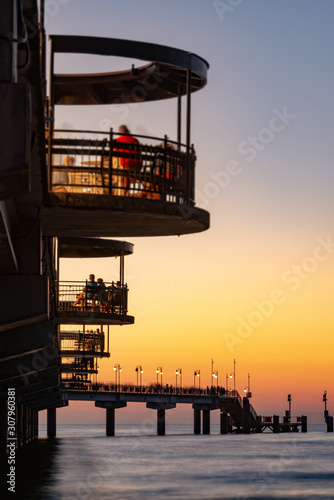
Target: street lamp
x=178 y=372
x=159 y=372
x=215 y=375
x=247 y=389
x=197 y=373
x=139 y=371
x=117 y=369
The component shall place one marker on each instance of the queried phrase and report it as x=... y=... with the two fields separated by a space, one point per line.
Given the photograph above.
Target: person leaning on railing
x=131 y=161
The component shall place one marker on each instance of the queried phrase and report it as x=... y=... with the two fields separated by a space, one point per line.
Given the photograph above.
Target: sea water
x=82 y=463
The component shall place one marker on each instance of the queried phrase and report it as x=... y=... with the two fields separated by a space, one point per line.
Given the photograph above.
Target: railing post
x=111 y=139
x=164 y=171
x=192 y=174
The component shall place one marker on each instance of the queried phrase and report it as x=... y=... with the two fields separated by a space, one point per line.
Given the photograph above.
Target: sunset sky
x=258 y=286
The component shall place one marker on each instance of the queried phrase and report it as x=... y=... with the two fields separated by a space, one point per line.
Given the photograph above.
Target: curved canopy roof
x=93 y=247
x=165 y=75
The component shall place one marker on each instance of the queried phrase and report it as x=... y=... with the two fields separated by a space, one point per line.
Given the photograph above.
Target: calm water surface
x=136 y=464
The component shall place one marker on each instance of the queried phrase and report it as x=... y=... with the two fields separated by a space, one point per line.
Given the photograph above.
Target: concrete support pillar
x=197 y=421
x=223 y=423
x=276 y=424
x=329 y=423
x=110 y=421
x=246 y=408
x=258 y=424
x=51 y=423
x=3 y=427
x=110 y=407
x=161 y=422
x=206 y=421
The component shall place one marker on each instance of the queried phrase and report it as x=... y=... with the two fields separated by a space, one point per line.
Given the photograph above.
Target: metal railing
x=160 y=389
x=90 y=162
x=81 y=342
x=79 y=296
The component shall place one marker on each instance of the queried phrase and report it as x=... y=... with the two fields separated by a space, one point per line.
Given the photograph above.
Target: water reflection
x=35 y=468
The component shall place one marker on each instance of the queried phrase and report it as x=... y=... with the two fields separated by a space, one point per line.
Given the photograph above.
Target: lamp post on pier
x=197 y=373
x=178 y=372
x=159 y=372
x=247 y=390
x=215 y=376
x=139 y=371
x=117 y=369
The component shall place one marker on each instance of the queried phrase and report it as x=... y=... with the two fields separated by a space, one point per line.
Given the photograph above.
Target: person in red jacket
x=131 y=159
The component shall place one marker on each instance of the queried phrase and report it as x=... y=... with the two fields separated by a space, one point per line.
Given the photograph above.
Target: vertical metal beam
x=188 y=131
x=179 y=114
x=50 y=114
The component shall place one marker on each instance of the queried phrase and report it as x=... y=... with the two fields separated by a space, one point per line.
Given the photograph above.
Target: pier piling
x=223 y=423
x=110 y=421
x=206 y=421
x=161 y=422
x=197 y=421
x=329 y=423
x=246 y=408
x=276 y=424
x=304 y=423
x=51 y=423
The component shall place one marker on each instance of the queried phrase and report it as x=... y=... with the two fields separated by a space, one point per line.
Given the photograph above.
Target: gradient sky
x=258 y=286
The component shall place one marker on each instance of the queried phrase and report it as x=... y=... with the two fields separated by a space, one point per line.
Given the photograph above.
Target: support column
x=161 y=422
x=246 y=408
x=197 y=421
x=110 y=421
x=329 y=422
x=51 y=422
x=110 y=407
x=161 y=415
x=276 y=424
x=223 y=423
x=206 y=421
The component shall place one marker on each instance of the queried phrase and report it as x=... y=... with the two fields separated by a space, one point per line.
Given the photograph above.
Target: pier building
x=61 y=188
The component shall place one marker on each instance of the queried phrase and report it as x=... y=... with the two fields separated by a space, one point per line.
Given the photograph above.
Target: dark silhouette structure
x=60 y=190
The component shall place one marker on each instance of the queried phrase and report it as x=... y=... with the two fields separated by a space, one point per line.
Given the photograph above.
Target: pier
x=236 y=413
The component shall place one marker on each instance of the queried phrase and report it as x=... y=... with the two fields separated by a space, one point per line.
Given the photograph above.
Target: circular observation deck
x=85 y=303
x=99 y=185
